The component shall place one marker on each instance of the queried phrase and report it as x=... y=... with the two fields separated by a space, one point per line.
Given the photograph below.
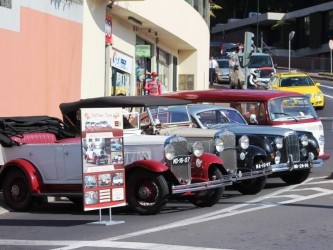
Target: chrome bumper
x=199 y=186
x=251 y=175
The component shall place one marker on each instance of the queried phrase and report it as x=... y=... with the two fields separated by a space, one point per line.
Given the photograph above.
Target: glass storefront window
x=163 y=63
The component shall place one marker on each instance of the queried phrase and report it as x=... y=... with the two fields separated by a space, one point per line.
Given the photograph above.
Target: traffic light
x=248 y=47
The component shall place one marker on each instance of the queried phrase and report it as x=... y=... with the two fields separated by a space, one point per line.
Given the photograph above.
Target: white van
x=237 y=69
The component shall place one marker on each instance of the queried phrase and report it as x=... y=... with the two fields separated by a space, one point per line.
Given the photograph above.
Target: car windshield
x=296 y=82
x=210 y=118
x=260 y=61
x=223 y=64
x=291 y=108
x=170 y=114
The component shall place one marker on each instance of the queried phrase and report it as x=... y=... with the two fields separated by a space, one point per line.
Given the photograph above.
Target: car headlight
x=278 y=141
x=304 y=140
x=169 y=151
x=244 y=142
x=219 y=145
x=321 y=140
x=197 y=149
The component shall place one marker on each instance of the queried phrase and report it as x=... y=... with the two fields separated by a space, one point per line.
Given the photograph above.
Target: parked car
x=222 y=73
x=300 y=82
x=156 y=167
x=307 y=126
x=249 y=164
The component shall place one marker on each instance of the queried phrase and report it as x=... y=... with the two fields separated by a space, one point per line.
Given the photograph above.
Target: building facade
x=58 y=51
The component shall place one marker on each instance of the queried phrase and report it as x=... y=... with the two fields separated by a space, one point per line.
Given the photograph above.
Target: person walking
x=154 y=87
x=212 y=70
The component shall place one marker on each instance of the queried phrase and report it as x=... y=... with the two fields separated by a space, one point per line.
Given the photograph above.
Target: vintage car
x=248 y=163
x=43 y=158
x=96 y=155
x=294 y=161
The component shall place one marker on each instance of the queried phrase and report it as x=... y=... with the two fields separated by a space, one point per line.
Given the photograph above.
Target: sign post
x=103 y=161
x=330 y=44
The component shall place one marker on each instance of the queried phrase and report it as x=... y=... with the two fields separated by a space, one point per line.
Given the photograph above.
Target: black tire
x=232 y=86
x=17 y=191
x=296 y=177
x=147 y=193
x=252 y=186
x=210 y=197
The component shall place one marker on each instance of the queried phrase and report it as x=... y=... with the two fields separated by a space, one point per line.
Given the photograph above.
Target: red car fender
x=153 y=166
x=30 y=171
x=200 y=173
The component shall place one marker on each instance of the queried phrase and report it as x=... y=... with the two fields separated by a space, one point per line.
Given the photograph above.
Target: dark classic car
x=43 y=157
x=248 y=164
x=295 y=153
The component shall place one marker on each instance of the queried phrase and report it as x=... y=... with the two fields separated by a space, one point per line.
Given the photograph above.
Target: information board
x=103 y=158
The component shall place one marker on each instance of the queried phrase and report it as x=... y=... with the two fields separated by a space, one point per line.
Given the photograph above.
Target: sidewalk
x=321 y=76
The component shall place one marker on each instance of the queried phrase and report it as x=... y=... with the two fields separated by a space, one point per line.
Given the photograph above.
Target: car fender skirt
x=29 y=170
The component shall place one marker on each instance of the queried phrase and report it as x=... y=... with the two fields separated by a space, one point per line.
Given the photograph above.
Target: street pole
x=257 y=24
x=291 y=36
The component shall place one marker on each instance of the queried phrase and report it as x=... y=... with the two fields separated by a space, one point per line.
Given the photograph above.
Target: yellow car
x=299 y=82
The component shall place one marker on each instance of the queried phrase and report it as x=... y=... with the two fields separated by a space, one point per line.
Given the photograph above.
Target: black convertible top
x=19 y=125
x=69 y=109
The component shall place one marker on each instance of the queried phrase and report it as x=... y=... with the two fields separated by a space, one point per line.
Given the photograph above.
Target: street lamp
x=291 y=36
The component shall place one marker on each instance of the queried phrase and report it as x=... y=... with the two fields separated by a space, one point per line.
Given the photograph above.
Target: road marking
x=101 y=244
x=258 y=203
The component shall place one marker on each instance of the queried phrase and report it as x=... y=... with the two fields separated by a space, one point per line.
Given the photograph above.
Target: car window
x=260 y=61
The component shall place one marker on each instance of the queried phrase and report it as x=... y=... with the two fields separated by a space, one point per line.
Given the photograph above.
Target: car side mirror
x=317 y=84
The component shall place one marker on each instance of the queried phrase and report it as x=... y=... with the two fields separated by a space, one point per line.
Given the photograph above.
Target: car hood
x=189 y=132
x=302 y=89
x=258 y=130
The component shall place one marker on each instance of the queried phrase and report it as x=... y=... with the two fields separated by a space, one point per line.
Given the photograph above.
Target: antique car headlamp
x=321 y=140
x=219 y=145
x=277 y=158
x=304 y=140
x=197 y=149
x=244 y=142
x=169 y=151
x=278 y=141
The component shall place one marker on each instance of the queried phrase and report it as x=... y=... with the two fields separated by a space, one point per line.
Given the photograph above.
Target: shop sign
x=103 y=161
x=142 y=51
x=121 y=61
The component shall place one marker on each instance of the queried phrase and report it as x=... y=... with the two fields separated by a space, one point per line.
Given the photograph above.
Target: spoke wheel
x=17 y=191
x=147 y=192
x=210 y=197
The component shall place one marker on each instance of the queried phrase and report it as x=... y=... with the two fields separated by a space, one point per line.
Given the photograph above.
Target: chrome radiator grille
x=292 y=146
x=229 y=154
x=181 y=171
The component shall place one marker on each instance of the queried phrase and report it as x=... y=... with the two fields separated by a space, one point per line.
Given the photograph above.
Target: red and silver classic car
x=43 y=157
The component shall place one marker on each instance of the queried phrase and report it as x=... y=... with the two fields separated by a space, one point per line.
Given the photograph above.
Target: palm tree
x=213 y=6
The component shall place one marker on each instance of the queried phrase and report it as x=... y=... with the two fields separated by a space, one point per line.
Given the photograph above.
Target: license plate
x=181 y=160
x=301 y=165
x=263 y=165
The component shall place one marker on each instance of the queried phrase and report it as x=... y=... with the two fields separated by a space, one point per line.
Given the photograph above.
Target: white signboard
x=121 y=61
